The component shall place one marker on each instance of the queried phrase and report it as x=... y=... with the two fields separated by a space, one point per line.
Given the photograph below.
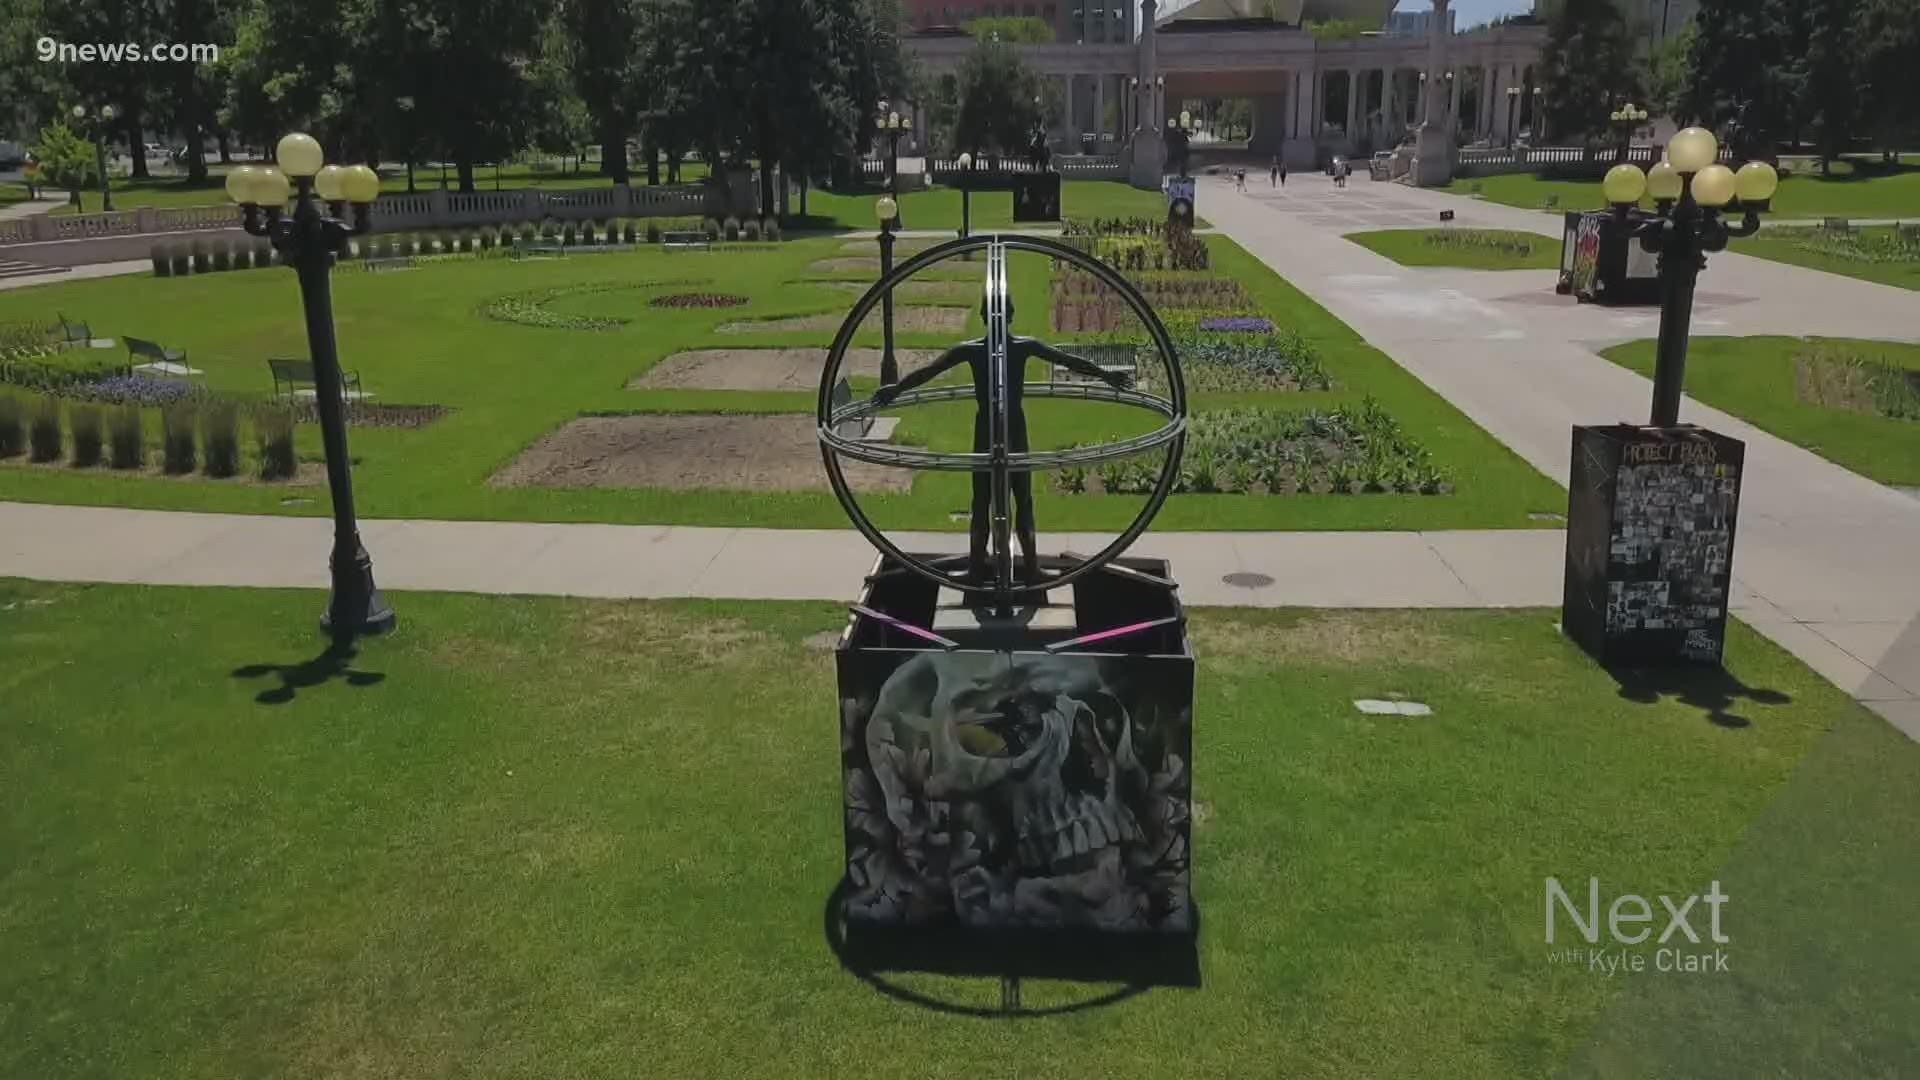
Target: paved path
x=29 y=207
x=1832 y=559
x=49 y=275
x=1322 y=569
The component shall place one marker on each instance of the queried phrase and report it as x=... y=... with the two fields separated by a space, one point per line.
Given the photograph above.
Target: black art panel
x=1017 y=790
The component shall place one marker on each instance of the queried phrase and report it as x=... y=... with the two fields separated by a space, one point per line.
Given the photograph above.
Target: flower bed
x=1901 y=245
x=1504 y=243
x=529 y=308
x=1870 y=385
x=1263 y=451
x=698 y=300
x=1236 y=324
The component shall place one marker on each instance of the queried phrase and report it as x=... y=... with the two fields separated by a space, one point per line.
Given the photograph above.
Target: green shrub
x=486 y=239
x=711 y=227
x=222 y=255
x=126 y=439
x=263 y=253
x=176 y=439
x=220 y=435
x=54 y=369
x=771 y=229
x=750 y=230
x=13 y=434
x=162 y=266
x=653 y=232
x=273 y=431
x=587 y=233
x=177 y=260
x=87 y=436
x=43 y=433
x=731 y=228
x=629 y=235
x=568 y=236
x=202 y=258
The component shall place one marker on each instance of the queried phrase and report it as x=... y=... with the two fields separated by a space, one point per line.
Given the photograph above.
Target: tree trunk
x=673 y=166
x=768 y=155
x=465 y=168
x=136 y=146
x=226 y=150
x=804 y=183
x=411 y=190
x=613 y=155
x=653 y=163
x=196 y=154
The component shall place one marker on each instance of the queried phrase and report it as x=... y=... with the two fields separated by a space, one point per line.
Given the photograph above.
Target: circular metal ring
x=1171 y=435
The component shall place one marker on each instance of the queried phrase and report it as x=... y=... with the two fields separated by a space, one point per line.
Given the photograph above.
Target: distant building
x=1415 y=23
x=1099 y=21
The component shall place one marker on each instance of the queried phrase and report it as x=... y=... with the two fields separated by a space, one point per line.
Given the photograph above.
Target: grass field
x=1864 y=192
x=416 y=338
x=1754 y=379
x=593 y=839
x=1503 y=249
x=1779 y=245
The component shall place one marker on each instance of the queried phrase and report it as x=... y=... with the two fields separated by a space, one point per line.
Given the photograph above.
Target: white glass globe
x=1624 y=185
x=327 y=182
x=886 y=209
x=270 y=188
x=1663 y=182
x=1693 y=149
x=299 y=154
x=1714 y=186
x=360 y=184
x=1757 y=181
x=965 y=161
x=241 y=184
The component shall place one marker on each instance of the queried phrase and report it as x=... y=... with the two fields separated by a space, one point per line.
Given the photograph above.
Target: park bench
x=381 y=263
x=67 y=333
x=685 y=241
x=292 y=375
x=151 y=359
x=849 y=429
x=546 y=249
x=1837 y=224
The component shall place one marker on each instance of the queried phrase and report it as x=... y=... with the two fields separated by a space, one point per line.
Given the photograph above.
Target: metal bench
x=68 y=333
x=849 y=429
x=388 y=262
x=292 y=375
x=545 y=249
x=1114 y=359
x=684 y=241
x=1837 y=224
x=146 y=356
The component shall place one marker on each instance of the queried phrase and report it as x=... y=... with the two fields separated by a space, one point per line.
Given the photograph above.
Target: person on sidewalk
x=1273 y=172
x=1283 y=172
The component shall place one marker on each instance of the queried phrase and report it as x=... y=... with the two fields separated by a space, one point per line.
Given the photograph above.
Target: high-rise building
x=1072 y=20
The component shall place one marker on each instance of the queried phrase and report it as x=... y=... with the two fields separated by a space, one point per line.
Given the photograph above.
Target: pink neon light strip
x=924 y=635
x=1118 y=631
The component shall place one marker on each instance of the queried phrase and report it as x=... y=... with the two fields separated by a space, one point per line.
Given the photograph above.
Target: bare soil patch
x=765 y=369
x=848 y=264
x=906 y=320
x=962 y=292
x=687 y=452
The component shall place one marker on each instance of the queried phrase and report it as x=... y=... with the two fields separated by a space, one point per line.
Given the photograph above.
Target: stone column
x=1353 y=105
x=1149 y=153
x=1453 y=99
x=1483 y=124
x=1433 y=147
x=1099 y=112
x=1389 y=108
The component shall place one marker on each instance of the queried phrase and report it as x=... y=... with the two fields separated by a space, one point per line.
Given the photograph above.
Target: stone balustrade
x=1594 y=160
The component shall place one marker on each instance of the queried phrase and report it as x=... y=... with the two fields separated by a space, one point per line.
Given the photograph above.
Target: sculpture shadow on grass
x=1137 y=962
x=1711 y=689
x=335 y=662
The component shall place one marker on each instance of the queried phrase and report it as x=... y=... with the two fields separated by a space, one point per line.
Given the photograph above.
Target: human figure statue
x=975 y=354
x=1038 y=152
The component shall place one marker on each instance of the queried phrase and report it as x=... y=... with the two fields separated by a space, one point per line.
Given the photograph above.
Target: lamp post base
x=355 y=607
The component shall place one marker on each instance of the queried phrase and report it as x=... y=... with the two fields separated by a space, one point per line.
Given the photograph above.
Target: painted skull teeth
x=1065 y=830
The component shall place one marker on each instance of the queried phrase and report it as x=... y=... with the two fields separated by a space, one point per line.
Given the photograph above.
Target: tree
x=1589 y=67
x=997 y=93
x=1669 y=73
x=599 y=46
x=128 y=87
x=313 y=66
x=1015 y=30
x=1747 y=71
x=1889 y=36
x=66 y=160
x=1832 y=87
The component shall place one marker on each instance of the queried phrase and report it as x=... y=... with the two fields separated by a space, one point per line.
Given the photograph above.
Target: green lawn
x=1503 y=250
x=1755 y=379
x=1865 y=192
x=416 y=338
x=1780 y=246
x=584 y=839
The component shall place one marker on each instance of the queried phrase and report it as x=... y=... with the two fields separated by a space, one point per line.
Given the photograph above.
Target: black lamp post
x=1539 y=125
x=888 y=211
x=965 y=163
x=309 y=240
x=1694 y=192
x=99 y=130
x=893 y=125
x=1626 y=120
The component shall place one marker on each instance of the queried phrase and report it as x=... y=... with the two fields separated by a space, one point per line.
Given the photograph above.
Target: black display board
x=1602 y=262
x=1036 y=196
x=1651 y=514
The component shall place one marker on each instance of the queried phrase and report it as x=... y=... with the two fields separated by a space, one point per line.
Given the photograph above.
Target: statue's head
x=983 y=311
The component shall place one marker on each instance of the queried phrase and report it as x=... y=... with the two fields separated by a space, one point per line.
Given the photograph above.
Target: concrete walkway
x=54 y=275
x=1322 y=569
x=29 y=208
x=1830 y=559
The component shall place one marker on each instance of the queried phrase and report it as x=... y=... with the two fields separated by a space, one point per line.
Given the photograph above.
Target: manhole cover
x=296 y=502
x=1547 y=517
x=1245 y=580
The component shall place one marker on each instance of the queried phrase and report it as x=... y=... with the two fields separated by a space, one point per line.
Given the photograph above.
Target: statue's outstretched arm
x=1079 y=364
x=949 y=360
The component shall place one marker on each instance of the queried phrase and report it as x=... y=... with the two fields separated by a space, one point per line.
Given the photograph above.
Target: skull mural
x=1016 y=790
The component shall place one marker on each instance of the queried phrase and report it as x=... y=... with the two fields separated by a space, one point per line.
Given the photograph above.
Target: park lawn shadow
x=334 y=662
x=1710 y=689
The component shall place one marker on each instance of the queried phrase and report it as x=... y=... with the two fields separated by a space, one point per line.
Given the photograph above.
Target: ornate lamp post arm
x=309 y=239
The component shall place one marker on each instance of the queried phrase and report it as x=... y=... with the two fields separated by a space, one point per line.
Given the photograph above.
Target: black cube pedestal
x=1003 y=785
x=1601 y=262
x=1036 y=197
x=1651 y=514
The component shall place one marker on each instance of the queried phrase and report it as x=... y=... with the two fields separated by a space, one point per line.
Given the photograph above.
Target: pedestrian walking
x=1283 y=173
x=1273 y=172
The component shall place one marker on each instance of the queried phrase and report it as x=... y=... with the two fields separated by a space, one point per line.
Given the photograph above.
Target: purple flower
x=136 y=390
x=1237 y=326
